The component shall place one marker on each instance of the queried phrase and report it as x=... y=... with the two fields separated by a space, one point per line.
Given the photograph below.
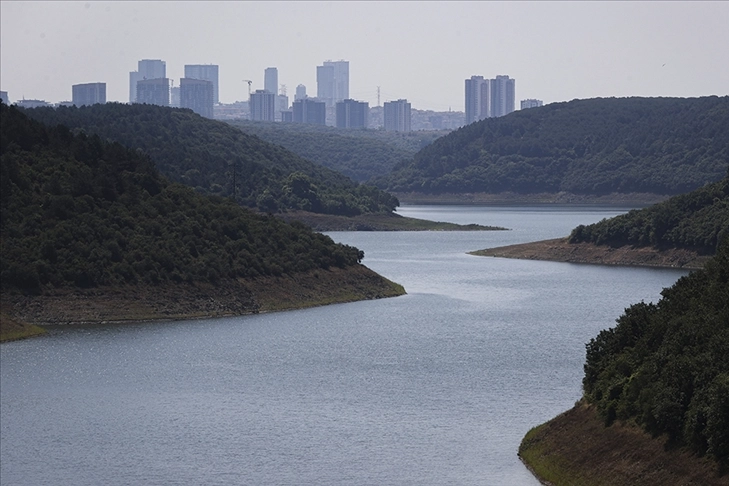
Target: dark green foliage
x=666 y=366
x=217 y=159
x=78 y=211
x=358 y=154
x=697 y=220
x=600 y=146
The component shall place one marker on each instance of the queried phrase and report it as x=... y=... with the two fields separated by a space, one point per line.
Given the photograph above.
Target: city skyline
x=557 y=50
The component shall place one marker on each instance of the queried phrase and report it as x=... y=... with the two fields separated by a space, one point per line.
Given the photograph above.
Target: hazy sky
x=422 y=51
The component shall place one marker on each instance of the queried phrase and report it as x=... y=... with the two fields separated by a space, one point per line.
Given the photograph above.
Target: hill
x=358 y=154
x=679 y=232
x=217 y=159
x=664 y=368
x=88 y=224
x=596 y=147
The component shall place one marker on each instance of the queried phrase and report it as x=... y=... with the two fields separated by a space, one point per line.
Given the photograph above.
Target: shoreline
x=560 y=250
x=185 y=301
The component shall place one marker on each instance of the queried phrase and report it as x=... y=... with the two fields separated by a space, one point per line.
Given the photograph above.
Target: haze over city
x=422 y=51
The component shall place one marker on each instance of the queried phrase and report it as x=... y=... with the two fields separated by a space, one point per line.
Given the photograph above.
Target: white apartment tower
x=488 y=98
x=397 y=116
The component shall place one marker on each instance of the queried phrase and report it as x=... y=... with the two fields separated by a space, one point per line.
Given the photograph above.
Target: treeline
x=358 y=154
x=79 y=211
x=663 y=146
x=665 y=366
x=217 y=159
x=697 y=220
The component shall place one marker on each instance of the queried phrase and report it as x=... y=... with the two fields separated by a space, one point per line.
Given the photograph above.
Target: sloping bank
x=190 y=301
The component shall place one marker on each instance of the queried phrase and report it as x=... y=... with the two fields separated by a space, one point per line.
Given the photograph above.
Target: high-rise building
x=503 y=96
x=397 y=116
x=4 y=97
x=531 y=103
x=300 y=92
x=175 y=96
x=270 y=80
x=263 y=105
x=332 y=82
x=197 y=94
x=352 y=114
x=477 y=99
x=154 y=91
x=310 y=110
x=208 y=72
x=146 y=69
x=88 y=94
x=487 y=98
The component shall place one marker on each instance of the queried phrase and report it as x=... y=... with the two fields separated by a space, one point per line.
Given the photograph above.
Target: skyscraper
x=486 y=98
x=477 y=99
x=309 y=110
x=197 y=94
x=146 y=69
x=88 y=94
x=208 y=72
x=352 y=114
x=270 y=80
x=503 y=95
x=300 y=92
x=332 y=82
x=154 y=91
x=263 y=105
x=397 y=116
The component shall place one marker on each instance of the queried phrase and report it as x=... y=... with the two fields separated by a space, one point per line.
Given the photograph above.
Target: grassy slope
x=576 y=449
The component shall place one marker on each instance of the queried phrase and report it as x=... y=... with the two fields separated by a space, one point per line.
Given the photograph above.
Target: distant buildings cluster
x=198 y=90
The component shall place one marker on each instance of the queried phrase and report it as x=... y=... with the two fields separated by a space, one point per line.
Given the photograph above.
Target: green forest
x=358 y=154
x=662 y=146
x=218 y=159
x=80 y=211
x=697 y=220
x=665 y=366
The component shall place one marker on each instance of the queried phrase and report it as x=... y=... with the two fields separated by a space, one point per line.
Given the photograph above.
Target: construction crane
x=249 y=86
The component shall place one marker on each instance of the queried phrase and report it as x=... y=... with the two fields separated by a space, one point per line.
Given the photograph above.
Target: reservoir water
x=436 y=387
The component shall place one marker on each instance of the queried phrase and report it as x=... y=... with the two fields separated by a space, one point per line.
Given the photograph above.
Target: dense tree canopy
x=666 y=365
x=697 y=220
x=215 y=158
x=600 y=146
x=358 y=154
x=79 y=211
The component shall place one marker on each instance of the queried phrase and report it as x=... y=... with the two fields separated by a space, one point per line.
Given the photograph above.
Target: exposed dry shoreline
x=560 y=250
x=196 y=301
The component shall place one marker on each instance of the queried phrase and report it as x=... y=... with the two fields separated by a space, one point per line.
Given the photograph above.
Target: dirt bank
x=186 y=301
x=560 y=250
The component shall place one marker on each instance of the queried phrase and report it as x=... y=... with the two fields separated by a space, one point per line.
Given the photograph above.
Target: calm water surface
x=433 y=388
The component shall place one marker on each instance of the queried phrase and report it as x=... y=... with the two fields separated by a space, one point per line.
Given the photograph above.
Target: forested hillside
x=217 y=159
x=662 y=146
x=81 y=212
x=666 y=366
x=358 y=154
x=697 y=221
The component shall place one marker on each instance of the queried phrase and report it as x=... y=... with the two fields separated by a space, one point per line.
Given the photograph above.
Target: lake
x=436 y=387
